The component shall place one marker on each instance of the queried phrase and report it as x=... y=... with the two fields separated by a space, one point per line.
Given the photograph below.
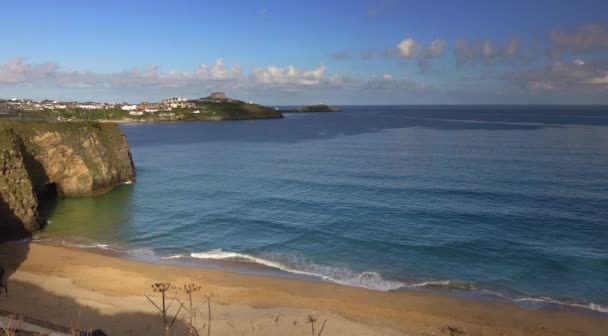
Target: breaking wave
x=343 y=276
x=369 y=280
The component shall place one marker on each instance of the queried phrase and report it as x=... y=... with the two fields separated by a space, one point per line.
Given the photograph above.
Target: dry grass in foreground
x=170 y=294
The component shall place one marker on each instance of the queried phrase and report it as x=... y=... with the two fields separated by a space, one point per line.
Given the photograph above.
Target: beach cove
x=79 y=288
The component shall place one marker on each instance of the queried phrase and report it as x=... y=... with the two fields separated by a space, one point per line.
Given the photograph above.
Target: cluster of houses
x=38 y=105
x=164 y=107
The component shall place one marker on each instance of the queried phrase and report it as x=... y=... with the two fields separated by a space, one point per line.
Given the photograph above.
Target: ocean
x=501 y=202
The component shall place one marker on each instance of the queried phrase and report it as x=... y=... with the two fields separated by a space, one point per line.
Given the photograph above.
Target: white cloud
x=291 y=75
x=219 y=71
x=408 y=48
x=602 y=80
x=17 y=73
x=581 y=76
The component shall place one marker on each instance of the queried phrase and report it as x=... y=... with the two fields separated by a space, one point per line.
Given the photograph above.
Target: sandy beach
x=89 y=290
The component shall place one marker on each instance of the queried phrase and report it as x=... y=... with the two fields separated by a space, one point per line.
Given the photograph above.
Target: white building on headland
x=129 y=107
x=175 y=102
x=90 y=106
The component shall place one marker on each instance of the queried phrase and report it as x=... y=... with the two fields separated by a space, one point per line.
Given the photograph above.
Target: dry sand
x=84 y=289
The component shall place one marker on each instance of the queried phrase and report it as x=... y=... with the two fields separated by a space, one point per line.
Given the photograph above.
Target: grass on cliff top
x=241 y=109
x=25 y=127
x=73 y=134
x=81 y=114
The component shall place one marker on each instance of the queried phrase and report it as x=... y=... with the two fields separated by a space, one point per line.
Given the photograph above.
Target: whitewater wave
x=34 y=239
x=86 y=246
x=544 y=300
x=370 y=280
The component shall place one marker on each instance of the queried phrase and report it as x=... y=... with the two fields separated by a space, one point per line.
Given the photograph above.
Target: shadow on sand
x=29 y=300
x=12 y=255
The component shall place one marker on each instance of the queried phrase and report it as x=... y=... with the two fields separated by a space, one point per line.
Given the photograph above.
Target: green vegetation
x=234 y=110
x=81 y=114
x=72 y=135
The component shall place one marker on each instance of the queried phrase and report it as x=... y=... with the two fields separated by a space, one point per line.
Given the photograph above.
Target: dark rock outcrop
x=18 y=201
x=66 y=159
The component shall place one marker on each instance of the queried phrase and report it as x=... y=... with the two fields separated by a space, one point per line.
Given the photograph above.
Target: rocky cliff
x=66 y=159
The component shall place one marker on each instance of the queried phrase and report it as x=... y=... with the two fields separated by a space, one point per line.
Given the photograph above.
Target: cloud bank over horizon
x=18 y=72
x=564 y=63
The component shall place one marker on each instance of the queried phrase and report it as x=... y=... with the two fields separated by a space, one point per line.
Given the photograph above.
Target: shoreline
x=213 y=119
x=367 y=311
x=250 y=265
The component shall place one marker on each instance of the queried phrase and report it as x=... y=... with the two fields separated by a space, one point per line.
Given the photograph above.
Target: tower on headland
x=217 y=97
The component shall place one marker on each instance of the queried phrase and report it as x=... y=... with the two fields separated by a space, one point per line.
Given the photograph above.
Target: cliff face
x=71 y=159
x=18 y=201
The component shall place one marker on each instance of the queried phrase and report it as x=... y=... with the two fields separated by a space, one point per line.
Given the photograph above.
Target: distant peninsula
x=216 y=106
x=316 y=108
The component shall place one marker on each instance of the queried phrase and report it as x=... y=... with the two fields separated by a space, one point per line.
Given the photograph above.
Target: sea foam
x=367 y=279
x=370 y=280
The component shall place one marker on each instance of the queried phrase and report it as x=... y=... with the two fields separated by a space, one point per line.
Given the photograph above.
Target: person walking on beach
x=2 y=281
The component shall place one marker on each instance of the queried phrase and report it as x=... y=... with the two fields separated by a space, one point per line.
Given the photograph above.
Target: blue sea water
x=508 y=200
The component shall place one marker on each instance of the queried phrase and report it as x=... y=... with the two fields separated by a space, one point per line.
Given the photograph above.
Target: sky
x=305 y=52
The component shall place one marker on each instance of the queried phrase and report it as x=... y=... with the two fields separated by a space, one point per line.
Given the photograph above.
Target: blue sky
x=287 y=52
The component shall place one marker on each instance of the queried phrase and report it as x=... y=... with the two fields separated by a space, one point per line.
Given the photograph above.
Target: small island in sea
x=315 y=108
x=217 y=106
